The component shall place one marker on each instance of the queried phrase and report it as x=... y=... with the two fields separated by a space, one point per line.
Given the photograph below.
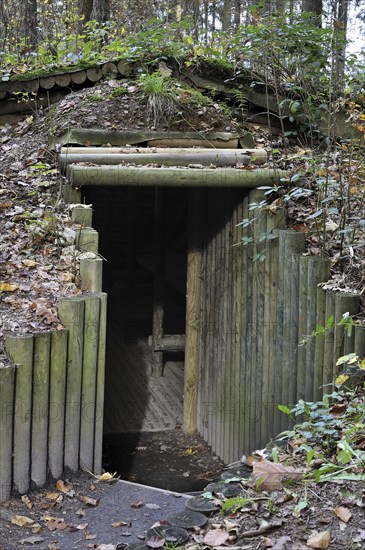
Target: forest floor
x=38 y=264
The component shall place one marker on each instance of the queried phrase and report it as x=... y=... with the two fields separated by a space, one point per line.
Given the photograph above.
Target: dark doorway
x=124 y=217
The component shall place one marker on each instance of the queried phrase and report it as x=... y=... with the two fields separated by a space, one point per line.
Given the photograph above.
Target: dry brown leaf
x=52 y=496
x=63 y=486
x=57 y=524
x=21 y=521
x=269 y=475
x=29 y=263
x=7 y=287
x=89 y=536
x=216 y=537
x=88 y=500
x=343 y=513
x=320 y=540
x=121 y=524
x=137 y=504
x=27 y=502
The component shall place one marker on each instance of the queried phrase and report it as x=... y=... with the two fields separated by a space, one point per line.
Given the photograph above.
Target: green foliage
x=331 y=431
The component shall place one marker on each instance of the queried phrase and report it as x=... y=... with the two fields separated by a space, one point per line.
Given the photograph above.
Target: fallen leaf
x=106 y=476
x=29 y=263
x=320 y=540
x=121 y=524
x=7 y=287
x=32 y=540
x=89 y=536
x=343 y=513
x=57 y=524
x=52 y=496
x=27 y=502
x=153 y=506
x=88 y=500
x=21 y=521
x=269 y=475
x=60 y=484
x=137 y=504
x=216 y=537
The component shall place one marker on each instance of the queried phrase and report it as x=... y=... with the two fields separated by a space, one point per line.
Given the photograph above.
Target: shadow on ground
x=169 y=460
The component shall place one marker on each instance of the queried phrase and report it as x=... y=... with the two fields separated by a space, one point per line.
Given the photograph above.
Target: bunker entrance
x=127 y=219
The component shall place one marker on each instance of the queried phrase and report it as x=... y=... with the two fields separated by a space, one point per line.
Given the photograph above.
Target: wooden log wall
x=258 y=302
x=52 y=400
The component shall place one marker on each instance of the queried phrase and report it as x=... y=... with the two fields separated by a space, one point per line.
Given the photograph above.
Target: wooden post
x=318 y=272
x=57 y=402
x=290 y=243
x=6 y=431
x=100 y=386
x=71 y=313
x=360 y=341
x=39 y=450
x=319 y=346
x=344 y=303
x=70 y=194
x=158 y=282
x=82 y=215
x=192 y=344
x=91 y=274
x=89 y=372
x=20 y=349
x=87 y=240
x=328 y=357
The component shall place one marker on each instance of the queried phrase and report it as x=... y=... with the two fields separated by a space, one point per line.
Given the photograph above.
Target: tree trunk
x=28 y=25
x=85 y=8
x=226 y=15
x=314 y=7
x=101 y=11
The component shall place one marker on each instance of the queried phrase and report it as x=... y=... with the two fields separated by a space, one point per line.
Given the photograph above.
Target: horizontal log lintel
x=79 y=175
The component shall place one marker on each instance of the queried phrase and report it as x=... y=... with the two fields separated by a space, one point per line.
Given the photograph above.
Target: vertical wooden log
x=71 y=194
x=319 y=346
x=20 y=349
x=39 y=450
x=82 y=214
x=344 y=303
x=290 y=243
x=100 y=386
x=131 y=259
x=318 y=272
x=194 y=265
x=91 y=274
x=87 y=240
x=71 y=313
x=246 y=340
x=328 y=357
x=236 y=327
x=158 y=282
x=270 y=426
x=293 y=331
x=258 y=318
x=57 y=402
x=89 y=372
x=302 y=325
x=359 y=343
x=7 y=376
